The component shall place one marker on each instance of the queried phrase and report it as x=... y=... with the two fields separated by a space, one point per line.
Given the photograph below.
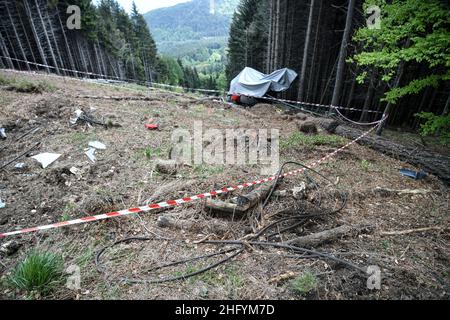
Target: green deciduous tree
x=412 y=33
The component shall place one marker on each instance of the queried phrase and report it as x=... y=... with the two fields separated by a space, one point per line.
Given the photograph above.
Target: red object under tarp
x=235 y=98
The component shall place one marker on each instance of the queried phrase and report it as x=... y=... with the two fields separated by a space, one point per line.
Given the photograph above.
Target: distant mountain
x=189 y=22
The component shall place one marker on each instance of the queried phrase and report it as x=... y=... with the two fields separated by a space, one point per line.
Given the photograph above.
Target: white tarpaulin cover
x=251 y=82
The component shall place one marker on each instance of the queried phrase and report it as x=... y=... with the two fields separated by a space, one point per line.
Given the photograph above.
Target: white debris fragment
x=78 y=114
x=74 y=171
x=97 y=145
x=9 y=248
x=91 y=154
x=46 y=159
x=20 y=165
x=2 y=204
x=2 y=133
x=300 y=191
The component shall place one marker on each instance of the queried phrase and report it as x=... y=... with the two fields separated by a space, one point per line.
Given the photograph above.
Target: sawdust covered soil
x=413 y=265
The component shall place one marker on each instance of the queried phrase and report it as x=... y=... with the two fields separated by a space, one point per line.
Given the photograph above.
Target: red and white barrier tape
x=173 y=203
x=317 y=105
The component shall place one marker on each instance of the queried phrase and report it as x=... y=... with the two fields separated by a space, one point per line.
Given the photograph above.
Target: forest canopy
x=400 y=68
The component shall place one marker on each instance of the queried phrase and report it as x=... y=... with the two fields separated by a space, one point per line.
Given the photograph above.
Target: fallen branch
x=430 y=162
x=387 y=192
x=319 y=238
x=117 y=98
x=169 y=190
x=242 y=203
x=283 y=277
x=409 y=231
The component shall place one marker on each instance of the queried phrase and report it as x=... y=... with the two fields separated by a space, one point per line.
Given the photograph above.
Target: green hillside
x=192 y=33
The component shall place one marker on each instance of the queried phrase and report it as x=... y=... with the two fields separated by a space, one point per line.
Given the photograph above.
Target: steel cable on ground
x=242 y=244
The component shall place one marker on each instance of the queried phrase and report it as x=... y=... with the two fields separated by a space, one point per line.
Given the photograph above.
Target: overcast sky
x=145 y=6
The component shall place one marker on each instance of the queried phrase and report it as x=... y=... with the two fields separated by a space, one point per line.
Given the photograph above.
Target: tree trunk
x=25 y=32
x=69 y=51
x=301 y=90
x=13 y=25
x=398 y=79
x=311 y=80
x=270 y=39
x=447 y=104
x=36 y=37
x=369 y=97
x=343 y=54
x=352 y=90
x=46 y=36
x=430 y=162
x=5 y=51
x=277 y=36
x=60 y=58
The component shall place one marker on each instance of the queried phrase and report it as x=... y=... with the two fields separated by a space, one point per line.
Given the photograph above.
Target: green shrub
x=435 y=126
x=365 y=164
x=305 y=283
x=39 y=271
x=4 y=81
x=25 y=86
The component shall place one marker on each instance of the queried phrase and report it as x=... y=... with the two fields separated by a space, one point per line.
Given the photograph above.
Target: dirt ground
x=413 y=265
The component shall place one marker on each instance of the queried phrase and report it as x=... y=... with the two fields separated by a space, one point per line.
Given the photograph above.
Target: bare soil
x=413 y=266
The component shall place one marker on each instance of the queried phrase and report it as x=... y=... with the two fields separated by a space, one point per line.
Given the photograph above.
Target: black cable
x=168 y=279
x=301 y=253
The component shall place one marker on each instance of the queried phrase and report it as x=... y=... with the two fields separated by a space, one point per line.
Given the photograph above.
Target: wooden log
x=434 y=163
x=308 y=127
x=169 y=167
x=242 y=203
x=385 y=192
x=316 y=239
x=409 y=231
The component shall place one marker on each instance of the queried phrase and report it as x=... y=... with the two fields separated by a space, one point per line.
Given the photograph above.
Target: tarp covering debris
x=251 y=82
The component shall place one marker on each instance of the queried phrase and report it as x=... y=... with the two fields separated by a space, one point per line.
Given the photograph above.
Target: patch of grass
x=65 y=217
x=81 y=139
x=385 y=244
x=5 y=81
x=234 y=277
x=151 y=153
x=109 y=292
x=133 y=87
x=305 y=283
x=206 y=171
x=310 y=141
x=365 y=164
x=39 y=271
x=26 y=86
x=83 y=259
